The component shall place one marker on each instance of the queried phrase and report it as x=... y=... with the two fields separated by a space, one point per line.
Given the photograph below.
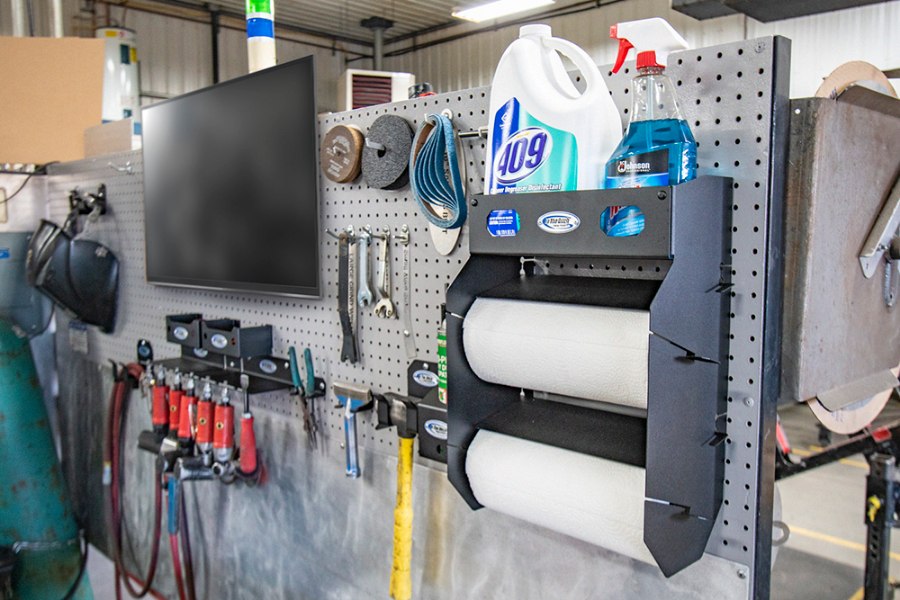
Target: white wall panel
x=820 y=42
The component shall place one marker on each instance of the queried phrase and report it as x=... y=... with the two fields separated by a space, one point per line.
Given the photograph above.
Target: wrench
x=364 y=297
x=409 y=338
x=385 y=308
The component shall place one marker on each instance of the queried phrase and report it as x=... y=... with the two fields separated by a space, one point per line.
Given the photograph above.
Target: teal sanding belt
x=386 y=155
x=434 y=173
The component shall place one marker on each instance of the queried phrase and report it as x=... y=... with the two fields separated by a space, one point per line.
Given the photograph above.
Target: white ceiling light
x=496 y=9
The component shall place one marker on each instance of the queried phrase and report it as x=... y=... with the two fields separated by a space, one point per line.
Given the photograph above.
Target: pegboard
x=299 y=322
x=727 y=93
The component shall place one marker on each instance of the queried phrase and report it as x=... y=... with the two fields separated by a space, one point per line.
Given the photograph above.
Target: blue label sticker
x=4 y=253
x=503 y=223
x=622 y=221
x=267 y=366
x=436 y=428
x=425 y=378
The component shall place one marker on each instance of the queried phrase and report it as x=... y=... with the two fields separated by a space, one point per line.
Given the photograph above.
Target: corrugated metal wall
x=820 y=42
x=176 y=56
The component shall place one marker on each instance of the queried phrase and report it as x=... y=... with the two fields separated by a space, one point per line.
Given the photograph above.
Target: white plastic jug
x=543 y=134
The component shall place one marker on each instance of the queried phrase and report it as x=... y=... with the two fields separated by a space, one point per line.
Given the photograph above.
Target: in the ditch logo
x=558 y=221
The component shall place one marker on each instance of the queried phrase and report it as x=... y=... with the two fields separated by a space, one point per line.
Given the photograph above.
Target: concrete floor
x=822 y=559
x=824 y=556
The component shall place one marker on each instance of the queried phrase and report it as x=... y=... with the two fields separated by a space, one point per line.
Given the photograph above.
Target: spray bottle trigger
x=624 y=47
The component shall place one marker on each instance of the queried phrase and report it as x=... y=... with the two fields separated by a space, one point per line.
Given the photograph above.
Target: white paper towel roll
x=593 y=499
x=581 y=351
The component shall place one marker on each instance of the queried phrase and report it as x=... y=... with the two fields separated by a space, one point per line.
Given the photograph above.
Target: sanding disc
x=387 y=169
x=856 y=72
x=854 y=417
x=341 y=153
x=443 y=240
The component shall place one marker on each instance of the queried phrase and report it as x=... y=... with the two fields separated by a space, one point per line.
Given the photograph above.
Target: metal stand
x=881 y=517
x=881 y=448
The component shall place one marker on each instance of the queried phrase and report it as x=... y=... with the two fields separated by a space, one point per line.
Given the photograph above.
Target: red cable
x=115 y=432
x=176 y=565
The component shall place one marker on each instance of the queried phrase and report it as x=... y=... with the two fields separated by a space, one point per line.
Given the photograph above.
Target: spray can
x=442 y=357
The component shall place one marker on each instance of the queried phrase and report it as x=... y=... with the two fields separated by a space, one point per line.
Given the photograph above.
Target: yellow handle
x=401 y=575
x=874 y=507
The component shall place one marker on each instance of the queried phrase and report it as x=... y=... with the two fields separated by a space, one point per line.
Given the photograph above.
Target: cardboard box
x=109 y=138
x=52 y=92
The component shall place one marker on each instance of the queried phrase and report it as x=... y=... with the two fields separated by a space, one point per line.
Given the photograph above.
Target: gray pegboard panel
x=727 y=94
x=299 y=322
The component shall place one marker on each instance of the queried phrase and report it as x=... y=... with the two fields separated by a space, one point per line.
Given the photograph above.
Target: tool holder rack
x=735 y=98
x=680 y=441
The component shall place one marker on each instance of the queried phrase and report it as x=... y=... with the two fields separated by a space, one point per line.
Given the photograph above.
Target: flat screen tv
x=230 y=185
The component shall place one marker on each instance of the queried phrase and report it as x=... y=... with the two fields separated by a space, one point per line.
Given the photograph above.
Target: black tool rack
x=680 y=442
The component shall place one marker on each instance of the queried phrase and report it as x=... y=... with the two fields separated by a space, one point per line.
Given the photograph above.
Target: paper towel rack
x=680 y=441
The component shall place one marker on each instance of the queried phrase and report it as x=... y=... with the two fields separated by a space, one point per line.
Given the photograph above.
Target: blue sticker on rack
x=503 y=223
x=4 y=253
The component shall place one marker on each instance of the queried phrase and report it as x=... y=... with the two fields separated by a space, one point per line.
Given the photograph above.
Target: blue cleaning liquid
x=653 y=152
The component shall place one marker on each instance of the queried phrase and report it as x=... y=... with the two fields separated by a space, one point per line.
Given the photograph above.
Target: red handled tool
x=248 y=460
x=205 y=424
x=223 y=434
x=187 y=420
x=160 y=395
x=175 y=395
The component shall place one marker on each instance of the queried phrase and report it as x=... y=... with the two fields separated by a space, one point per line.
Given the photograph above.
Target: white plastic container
x=543 y=134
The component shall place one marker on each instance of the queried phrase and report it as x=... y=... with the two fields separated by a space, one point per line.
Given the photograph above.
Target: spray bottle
x=658 y=147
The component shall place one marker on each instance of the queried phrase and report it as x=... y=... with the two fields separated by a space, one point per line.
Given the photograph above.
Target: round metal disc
x=854 y=417
x=341 y=153
x=856 y=72
x=444 y=240
x=386 y=159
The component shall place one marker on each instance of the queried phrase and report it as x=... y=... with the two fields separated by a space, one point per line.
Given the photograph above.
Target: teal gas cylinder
x=35 y=514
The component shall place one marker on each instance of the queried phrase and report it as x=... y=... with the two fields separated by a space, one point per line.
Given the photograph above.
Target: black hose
x=81 y=568
x=186 y=551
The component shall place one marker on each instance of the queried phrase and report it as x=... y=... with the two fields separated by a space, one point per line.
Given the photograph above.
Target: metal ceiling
x=340 y=19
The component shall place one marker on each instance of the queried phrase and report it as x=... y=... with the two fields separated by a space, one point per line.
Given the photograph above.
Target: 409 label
x=522 y=154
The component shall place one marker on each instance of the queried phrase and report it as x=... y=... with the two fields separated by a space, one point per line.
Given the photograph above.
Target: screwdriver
x=248 y=438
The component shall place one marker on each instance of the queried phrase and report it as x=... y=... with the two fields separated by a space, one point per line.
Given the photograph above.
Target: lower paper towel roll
x=586 y=352
x=593 y=499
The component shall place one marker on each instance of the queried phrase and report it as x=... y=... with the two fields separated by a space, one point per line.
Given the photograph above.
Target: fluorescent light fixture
x=488 y=11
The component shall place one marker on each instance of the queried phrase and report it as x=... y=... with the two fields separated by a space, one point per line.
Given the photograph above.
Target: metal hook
x=375 y=145
x=128 y=168
x=481 y=132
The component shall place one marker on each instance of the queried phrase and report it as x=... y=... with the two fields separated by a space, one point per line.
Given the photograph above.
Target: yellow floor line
x=859 y=594
x=830 y=539
x=844 y=461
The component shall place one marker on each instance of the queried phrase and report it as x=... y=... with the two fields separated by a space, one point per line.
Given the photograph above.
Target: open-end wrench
x=349 y=351
x=409 y=337
x=364 y=297
x=385 y=307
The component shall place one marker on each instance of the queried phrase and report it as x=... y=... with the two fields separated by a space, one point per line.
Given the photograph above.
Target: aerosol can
x=544 y=135
x=658 y=147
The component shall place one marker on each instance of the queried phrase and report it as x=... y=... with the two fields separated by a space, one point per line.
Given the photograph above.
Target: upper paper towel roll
x=593 y=499
x=581 y=351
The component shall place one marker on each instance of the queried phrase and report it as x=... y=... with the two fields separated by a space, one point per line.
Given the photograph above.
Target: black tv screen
x=230 y=185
